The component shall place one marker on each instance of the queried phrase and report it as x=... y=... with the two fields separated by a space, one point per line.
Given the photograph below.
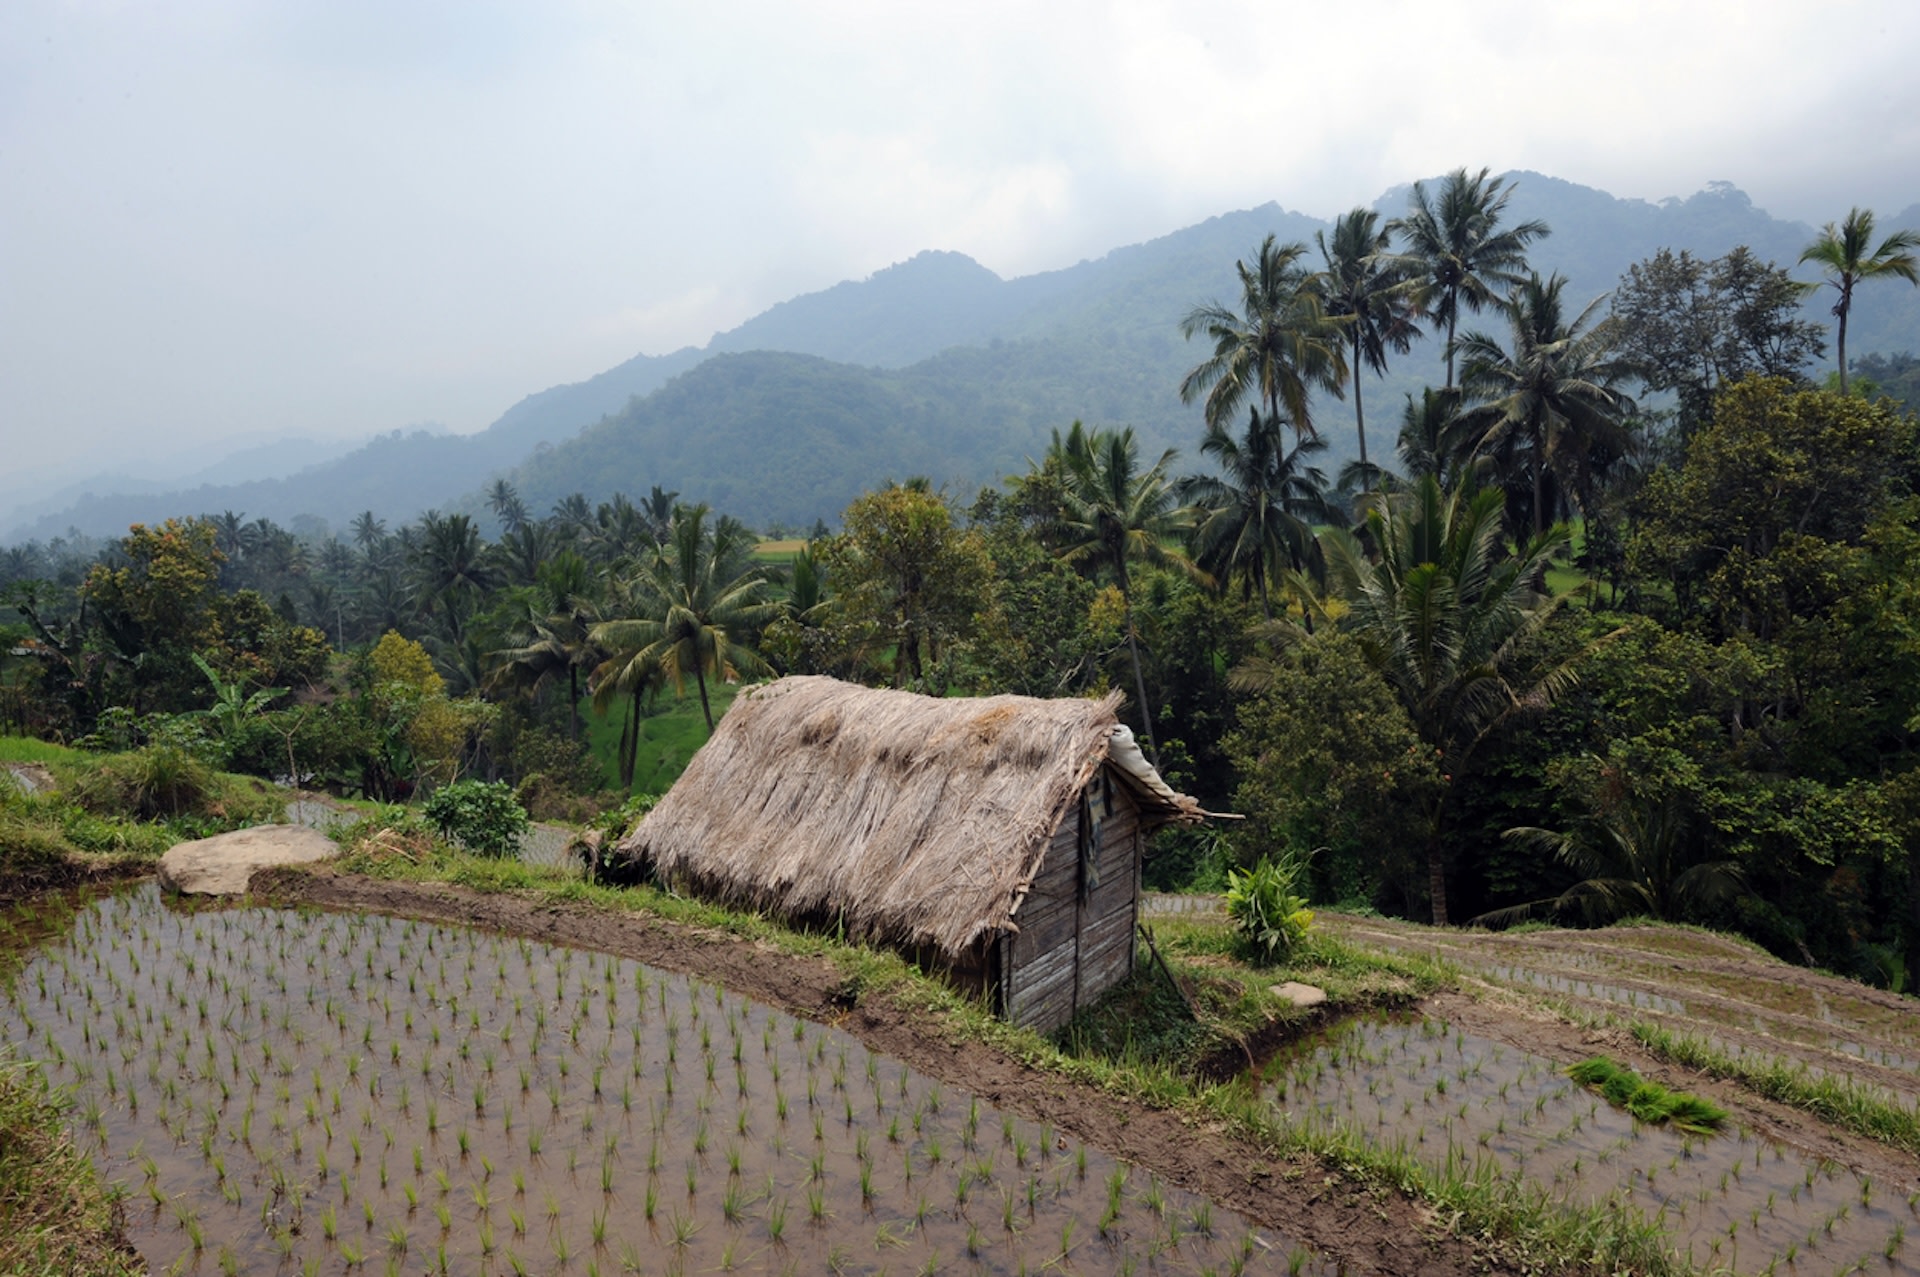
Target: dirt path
x=1363 y=1229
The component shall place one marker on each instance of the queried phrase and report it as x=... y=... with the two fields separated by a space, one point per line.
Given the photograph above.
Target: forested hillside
x=973 y=372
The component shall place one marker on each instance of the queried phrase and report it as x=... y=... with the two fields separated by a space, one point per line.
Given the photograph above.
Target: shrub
x=1265 y=904
x=482 y=816
x=160 y=781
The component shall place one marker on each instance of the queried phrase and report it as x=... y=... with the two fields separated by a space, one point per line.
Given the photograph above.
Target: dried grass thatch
x=909 y=819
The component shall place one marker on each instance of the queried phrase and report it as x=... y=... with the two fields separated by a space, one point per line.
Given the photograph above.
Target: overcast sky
x=341 y=217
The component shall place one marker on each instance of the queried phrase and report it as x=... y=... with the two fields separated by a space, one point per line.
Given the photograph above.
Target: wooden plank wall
x=1067 y=952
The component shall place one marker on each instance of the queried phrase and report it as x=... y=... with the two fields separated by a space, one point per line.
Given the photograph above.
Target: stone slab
x=223 y=864
x=1301 y=995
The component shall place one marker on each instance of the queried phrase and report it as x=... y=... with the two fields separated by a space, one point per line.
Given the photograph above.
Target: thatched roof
x=911 y=819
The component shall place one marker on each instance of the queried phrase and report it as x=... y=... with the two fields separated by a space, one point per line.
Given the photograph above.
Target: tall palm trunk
x=573 y=700
x=1360 y=417
x=1840 y=331
x=700 y=678
x=1140 y=686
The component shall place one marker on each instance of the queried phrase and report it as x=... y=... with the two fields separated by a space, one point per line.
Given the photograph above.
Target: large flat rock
x=222 y=865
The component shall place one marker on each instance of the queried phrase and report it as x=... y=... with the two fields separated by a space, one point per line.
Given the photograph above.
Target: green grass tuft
x=1648 y=1101
x=60 y=1217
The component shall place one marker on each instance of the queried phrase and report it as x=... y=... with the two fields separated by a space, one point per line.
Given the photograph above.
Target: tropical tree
x=1462 y=257
x=1277 y=348
x=1424 y=427
x=1368 y=290
x=909 y=581
x=1253 y=521
x=507 y=506
x=553 y=640
x=368 y=530
x=1637 y=857
x=1845 y=254
x=1692 y=326
x=1438 y=608
x=701 y=604
x=452 y=570
x=1112 y=515
x=1548 y=400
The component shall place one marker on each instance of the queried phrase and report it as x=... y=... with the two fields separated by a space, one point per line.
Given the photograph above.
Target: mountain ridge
x=1096 y=340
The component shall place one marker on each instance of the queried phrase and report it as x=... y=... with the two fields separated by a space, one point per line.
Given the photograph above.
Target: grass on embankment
x=1139 y=1044
x=82 y=829
x=1837 y=1100
x=56 y=1216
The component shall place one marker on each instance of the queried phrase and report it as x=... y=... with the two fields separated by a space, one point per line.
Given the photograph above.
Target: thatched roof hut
x=920 y=822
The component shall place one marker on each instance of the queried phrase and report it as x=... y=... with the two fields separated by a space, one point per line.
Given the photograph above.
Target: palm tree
x=1424 y=431
x=1254 y=519
x=554 y=638
x=1842 y=251
x=1278 y=347
x=452 y=568
x=1112 y=515
x=1439 y=612
x=1549 y=399
x=1635 y=858
x=1367 y=290
x=701 y=604
x=1464 y=259
x=658 y=509
x=507 y=506
x=368 y=530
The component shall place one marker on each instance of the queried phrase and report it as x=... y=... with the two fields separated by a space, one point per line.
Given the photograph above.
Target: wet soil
x=1359 y=1228
x=1741 y=999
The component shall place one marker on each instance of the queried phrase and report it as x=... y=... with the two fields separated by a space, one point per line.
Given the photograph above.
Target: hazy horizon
x=223 y=220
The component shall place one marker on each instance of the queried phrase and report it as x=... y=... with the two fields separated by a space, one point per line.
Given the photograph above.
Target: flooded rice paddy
x=1729 y=1201
x=292 y=1092
x=1712 y=987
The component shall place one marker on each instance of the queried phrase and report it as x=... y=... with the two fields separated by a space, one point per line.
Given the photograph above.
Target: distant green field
x=668 y=737
x=778 y=552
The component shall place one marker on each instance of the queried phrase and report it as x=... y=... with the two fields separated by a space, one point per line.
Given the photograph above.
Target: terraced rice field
x=1729 y=1202
x=285 y=1091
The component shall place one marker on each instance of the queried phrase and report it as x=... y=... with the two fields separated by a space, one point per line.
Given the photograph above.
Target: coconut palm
x=1425 y=424
x=1438 y=609
x=1111 y=515
x=1254 y=520
x=1842 y=251
x=452 y=570
x=1464 y=259
x=1277 y=348
x=553 y=640
x=700 y=605
x=1637 y=858
x=1548 y=400
x=368 y=530
x=1369 y=291
x=507 y=506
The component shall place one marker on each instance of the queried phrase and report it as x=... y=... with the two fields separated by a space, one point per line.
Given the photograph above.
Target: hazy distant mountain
x=936 y=365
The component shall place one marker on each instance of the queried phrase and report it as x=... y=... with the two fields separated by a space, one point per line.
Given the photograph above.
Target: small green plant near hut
x=1648 y=1101
x=1264 y=902
x=483 y=816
